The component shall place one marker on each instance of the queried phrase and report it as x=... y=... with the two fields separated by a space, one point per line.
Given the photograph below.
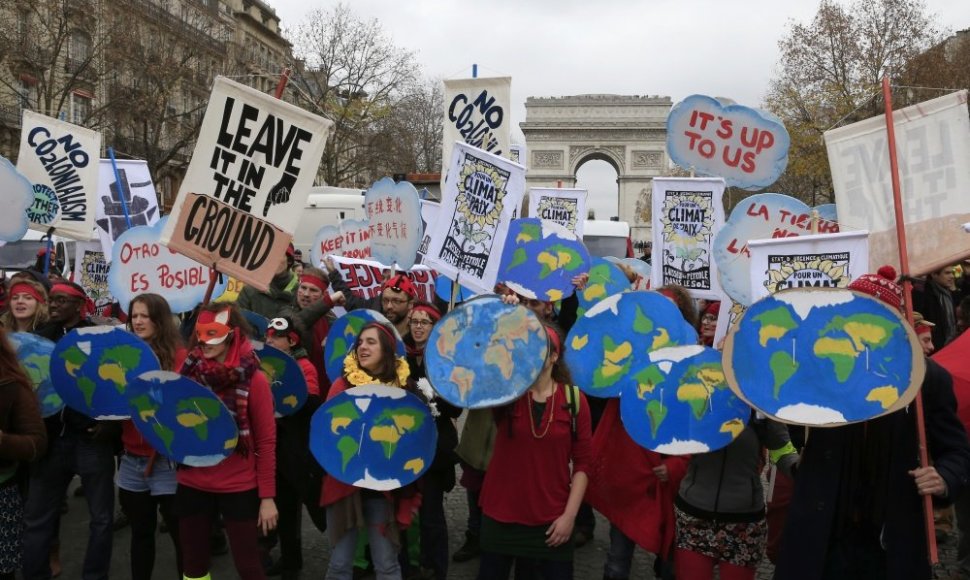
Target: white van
x=608 y=238
x=327 y=206
x=22 y=254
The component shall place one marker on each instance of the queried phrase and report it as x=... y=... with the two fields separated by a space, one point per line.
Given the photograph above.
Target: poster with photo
x=477 y=204
x=686 y=214
x=247 y=184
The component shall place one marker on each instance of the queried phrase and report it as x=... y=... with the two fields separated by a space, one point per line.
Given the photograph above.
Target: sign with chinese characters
x=819 y=261
x=396 y=229
x=566 y=207
x=481 y=193
x=932 y=148
x=747 y=147
x=61 y=161
x=478 y=113
x=132 y=191
x=686 y=213
x=247 y=184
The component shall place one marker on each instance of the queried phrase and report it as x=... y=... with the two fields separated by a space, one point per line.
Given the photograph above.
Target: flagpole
x=213 y=273
x=907 y=295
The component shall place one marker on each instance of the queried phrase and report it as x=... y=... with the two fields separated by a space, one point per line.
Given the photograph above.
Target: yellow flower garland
x=357 y=376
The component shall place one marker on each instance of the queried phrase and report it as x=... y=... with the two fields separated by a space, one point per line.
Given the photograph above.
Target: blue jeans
x=382 y=551
x=620 y=557
x=49 y=477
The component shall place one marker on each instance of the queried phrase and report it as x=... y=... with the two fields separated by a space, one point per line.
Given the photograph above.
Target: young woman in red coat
x=531 y=496
x=242 y=487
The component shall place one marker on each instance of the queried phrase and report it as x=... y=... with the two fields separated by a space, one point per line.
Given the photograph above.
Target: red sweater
x=258 y=468
x=310 y=372
x=528 y=479
x=131 y=438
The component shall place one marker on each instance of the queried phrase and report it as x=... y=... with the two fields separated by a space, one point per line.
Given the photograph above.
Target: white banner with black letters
x=566 y=207
x=477 y=112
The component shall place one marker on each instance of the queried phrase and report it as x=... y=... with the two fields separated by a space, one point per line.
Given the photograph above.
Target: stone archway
x=628 y=132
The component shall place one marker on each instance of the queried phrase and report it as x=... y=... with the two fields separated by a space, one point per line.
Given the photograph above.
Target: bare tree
x=829 y=73
x=356 y=77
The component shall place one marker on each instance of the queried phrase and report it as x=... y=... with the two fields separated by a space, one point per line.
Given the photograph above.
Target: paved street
x=589 y=559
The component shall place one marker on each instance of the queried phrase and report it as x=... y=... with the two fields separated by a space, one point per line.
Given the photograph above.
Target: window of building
x=79 y=47
x=28 y=93
x=23 y=25
x=80 y=108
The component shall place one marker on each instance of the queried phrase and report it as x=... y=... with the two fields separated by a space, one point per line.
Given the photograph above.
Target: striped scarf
x=230 y=381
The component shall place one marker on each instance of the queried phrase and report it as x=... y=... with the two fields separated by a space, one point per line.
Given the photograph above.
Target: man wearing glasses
x=397 y=296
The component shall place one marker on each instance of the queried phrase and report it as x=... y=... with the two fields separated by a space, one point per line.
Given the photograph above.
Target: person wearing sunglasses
x=242 y=487
x=292 y=456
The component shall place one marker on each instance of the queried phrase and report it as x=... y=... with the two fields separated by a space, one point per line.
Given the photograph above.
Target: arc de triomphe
x=628 y=132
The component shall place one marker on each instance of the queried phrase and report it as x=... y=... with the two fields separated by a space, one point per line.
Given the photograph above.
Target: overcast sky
x=673 y=48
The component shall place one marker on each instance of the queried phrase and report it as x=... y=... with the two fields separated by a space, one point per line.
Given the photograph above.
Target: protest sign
x=91 y=272
x=364 y=277
x=233 y=288
x=429 y=213
x=819 y=261
x=396 y=229
x=18 y=196
x=61 y=161
x=566 y=207
x=350 y=238
x=247 y=184
x=142 y=264
x=686 y=213
x=761 y=216
x=517 y=153
x=932 y=148
x=477 y=112
x=747 y=147
x=140 y=200
x=480 y=195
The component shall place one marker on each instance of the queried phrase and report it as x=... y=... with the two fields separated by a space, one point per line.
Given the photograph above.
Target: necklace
x=550 y=408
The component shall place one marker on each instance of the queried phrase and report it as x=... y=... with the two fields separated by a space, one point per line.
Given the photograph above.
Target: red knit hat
x=882 y=285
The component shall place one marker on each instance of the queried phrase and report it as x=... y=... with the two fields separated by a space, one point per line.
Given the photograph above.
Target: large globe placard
x=34 y=353
x=91 y=368
x=485 y=353
x=823 y=357
x=286 y=379
x=374 y=436
x=606 y=349
x=343 y=335
x=605 y=279
x=541 y=258
x=181 y=419
x=685 y=405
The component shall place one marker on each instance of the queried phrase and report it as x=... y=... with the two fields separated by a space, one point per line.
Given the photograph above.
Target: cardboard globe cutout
x=605 y=279
x=181 y=419
x=823 y=357
x=685 y=405
x=606 y=349
x=485 y=353
x=374 y=436
x=34 y=353
x=541 y=258
x=285 y=377
x=343 y=335
x=92 y=367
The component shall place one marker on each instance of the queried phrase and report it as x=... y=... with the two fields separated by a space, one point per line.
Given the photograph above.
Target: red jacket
x=310 y=372
x=258 y=468
x=624 y=488
x=131 y=438
x=528 y=480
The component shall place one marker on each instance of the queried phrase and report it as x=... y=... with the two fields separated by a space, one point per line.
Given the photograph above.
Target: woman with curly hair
x=27 y=306
x=350 y=508
x=23 y=437
x=242 y=487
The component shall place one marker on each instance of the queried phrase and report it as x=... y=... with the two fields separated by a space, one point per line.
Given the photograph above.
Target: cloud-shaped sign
x=762 y=216
x=140 y=263
x=394 y=209
x=18 y=195
x=349 y=238
x=747 y=147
